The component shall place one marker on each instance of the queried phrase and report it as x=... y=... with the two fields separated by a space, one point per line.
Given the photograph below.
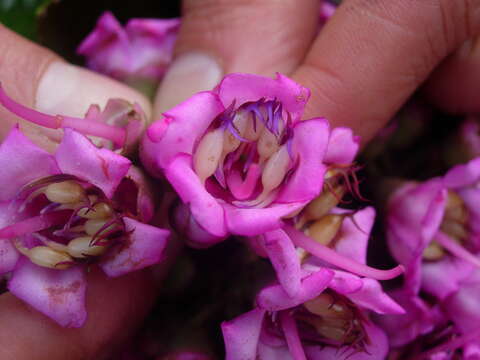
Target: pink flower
x=239 y=155
x=433 y=230
x=117 y=127
x=136 y=54
x=61 y=213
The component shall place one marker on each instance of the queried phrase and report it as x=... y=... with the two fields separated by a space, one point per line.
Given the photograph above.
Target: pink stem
x=456 y=249
x=85 y=126
x=332 y=257
x=291 y=335
x=34 y=224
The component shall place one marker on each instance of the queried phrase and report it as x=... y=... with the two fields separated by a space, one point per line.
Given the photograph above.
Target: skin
x=370 y=57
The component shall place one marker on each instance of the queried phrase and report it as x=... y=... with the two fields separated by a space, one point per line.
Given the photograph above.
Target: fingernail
x=188 y=74
x=69 y=90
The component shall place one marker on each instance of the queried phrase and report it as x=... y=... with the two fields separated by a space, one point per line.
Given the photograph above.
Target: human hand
x=362 y=66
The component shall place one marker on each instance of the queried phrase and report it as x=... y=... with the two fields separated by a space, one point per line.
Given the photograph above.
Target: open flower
x=61 y=213
x=136 y=54
x=117 y=127
x=433 y=229
x=239 y=156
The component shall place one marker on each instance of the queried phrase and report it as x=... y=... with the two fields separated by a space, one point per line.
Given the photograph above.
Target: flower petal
x=22 y=162
x=76 y=155
x=242 y=88
x=206 y=210
x=8 y=256
x=274 y=297
x=342 y=146
x=255 y=221
x=463 y=175
x=241 y=335
x=144 y=247
x=285 y=261
x=59 y=294
x=309 y=144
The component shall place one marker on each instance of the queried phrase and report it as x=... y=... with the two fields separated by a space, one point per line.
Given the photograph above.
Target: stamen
x=208 y=154
x=275 y=170
x=324 y=230
x=49 y=258
x=99 y=210
x=433 y=252
x=66 y=192
x=50 y=243
x=35 y=224
x=253 y=128
x=95 y=226
x=85 y=126
x=332 y=257
x=291 y=336
x=267 y=145
x=456 y=249
x=82 y=247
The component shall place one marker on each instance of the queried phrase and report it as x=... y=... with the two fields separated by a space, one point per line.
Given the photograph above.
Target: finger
x=373 y=54
x=36 y=77
x=223 y=36
x=455 y=84
x=115 y=309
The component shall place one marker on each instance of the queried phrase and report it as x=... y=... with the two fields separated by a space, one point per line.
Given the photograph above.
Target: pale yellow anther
x=49 y=258
x=275 y=169
x=93 y=226
x=332 y=332
x=457 y=231
x=455 y=209
x=253 y=129
x=267 y=145
x=208 y=154
x=322 y=204
x=230 y=142
x=326 y=306
x=81 y=247
x=325 y=229
x=65 y=192
x=434 y=251
x=99 y=211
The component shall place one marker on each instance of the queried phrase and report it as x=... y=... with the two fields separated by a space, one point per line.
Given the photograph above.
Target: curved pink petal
x=267 y=352
x=179 y=130
x=372 y=297
x=242 y=88
x=309 y=144
x=354 y=234
x=8 y=256
x=345 y=283
x=22 y=162
x=274 y=297
x=342 y=146
x=206 y=210
x=143 y=247
x=241 y=335
x=145 y=196
x=377 y=349
x=256 y=221
x=59 y=294
x=463 y=175
x=76 y=155
x=284 y=259
x=471 y=198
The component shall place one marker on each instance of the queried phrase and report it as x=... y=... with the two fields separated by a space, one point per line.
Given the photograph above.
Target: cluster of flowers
x=245 y=165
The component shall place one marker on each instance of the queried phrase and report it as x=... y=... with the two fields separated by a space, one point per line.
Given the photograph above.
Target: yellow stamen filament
x=208 y=154
x=325 y=229
x=49 y=258
x=80 y=247
x=65 y=192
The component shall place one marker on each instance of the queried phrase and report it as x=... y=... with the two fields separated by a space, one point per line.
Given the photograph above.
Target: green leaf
x=22 y=15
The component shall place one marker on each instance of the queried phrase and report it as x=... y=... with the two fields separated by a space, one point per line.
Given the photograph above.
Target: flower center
x=247 y=153
x=65 y=221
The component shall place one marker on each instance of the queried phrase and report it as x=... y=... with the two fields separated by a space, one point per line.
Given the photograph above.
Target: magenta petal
x=463 y=175
x=144 y=247
x=372 y=297
x=59 y=294
x=243 y=88
x=241 y=335
x=309 y=144
x=274 y=297
x=284 y=259
x=145 y=197
x=253 y=221
x=76 y=155
x=22 y=162
x=179 y=130
x=206 y=210
x=342 y=146
x=344 y=282
x=8 y=256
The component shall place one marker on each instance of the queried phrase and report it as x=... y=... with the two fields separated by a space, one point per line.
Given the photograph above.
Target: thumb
x=36 y=77
x=222 y=36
